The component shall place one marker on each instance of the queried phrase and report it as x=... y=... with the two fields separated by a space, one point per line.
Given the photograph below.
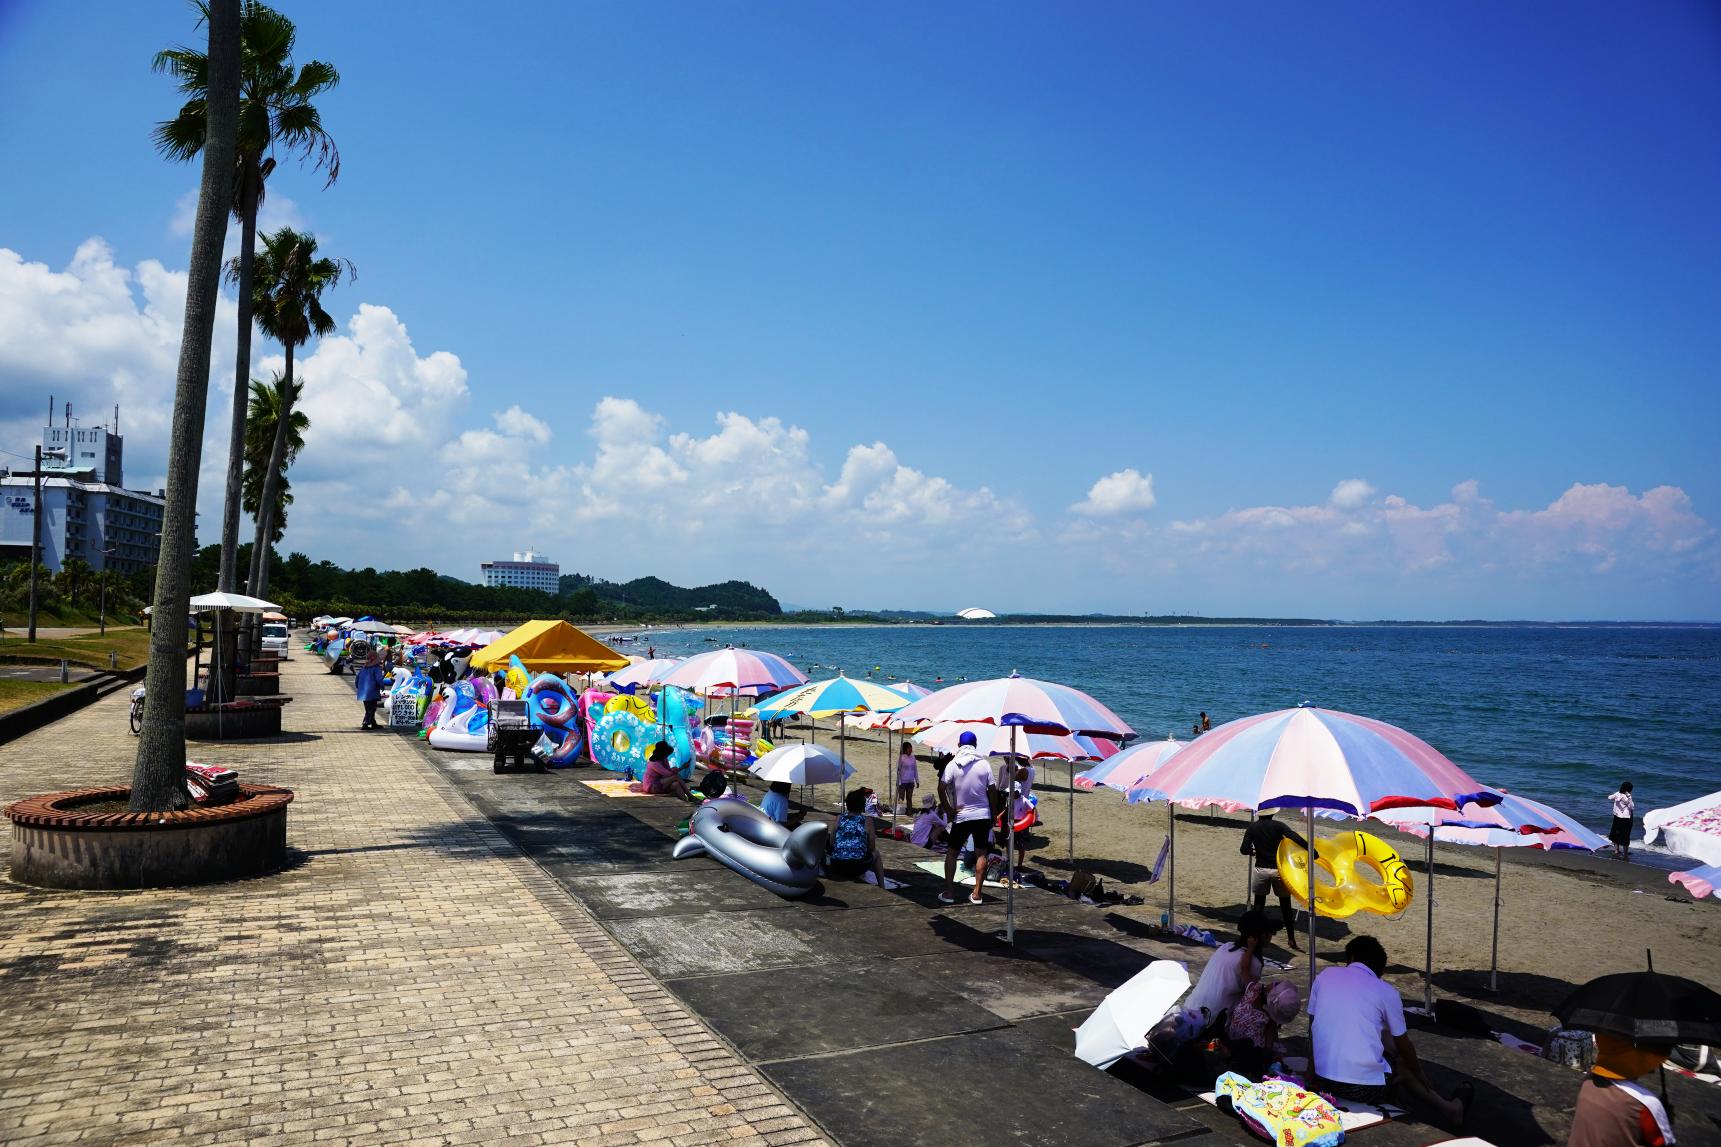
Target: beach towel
x=613 y=788
x=964 y=874
x=1353 y=1116
x=1159 y=862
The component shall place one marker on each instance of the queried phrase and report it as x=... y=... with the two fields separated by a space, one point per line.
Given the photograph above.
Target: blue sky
x=1254 y=254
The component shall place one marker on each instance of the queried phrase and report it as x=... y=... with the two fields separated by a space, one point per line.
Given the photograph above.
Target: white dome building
x=974 y=613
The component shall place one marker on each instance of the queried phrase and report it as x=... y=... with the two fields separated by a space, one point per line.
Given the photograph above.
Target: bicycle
x=137 y=710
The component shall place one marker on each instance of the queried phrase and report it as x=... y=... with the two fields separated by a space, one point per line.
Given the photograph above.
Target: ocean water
x=1561 y=715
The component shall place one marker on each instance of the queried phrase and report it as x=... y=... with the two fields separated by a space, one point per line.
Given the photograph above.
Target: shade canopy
x=369 y=626
x=722 y=671
x=1700 y=882
x=1037 y=706
x=1690 y=829
x=234 y=601
x=1129 y=768
x=1312 y=758
x=828 y=698
x=549 y=647
x=274 y=615
x=802 y=765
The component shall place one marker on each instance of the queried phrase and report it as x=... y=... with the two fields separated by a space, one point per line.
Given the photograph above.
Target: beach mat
x=964 y=874
x=613 y=788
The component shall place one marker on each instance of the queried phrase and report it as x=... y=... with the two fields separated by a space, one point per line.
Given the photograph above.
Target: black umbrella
x=1645 y=1007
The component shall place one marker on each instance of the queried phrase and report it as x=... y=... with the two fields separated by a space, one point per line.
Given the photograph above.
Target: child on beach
x=1620 y=832
x=930 y=826
x=907 y=776
x=775 y=804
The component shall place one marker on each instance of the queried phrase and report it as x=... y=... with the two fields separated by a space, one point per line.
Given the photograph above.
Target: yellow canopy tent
x=549 y=647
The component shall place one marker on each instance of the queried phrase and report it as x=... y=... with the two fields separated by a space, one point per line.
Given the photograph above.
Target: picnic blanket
x=1353 y=1116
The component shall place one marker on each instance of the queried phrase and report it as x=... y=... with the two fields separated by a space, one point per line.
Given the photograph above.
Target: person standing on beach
x=965 y=792
x=1261 y=840
x=1624 y=806
x=367 y=687
x=907 y=777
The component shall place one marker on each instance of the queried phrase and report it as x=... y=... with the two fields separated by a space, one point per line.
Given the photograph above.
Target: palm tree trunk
x=158 y=778
x=272 y=482
x=241 y=379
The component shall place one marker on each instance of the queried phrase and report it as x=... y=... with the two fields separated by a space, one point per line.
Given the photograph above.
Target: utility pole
x=36 y=527
x=35 y=538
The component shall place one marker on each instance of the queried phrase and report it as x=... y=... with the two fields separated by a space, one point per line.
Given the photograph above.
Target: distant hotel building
x=86 y=512
x=528 y=570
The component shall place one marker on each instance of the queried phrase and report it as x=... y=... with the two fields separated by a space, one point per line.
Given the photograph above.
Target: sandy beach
x=1565 y=917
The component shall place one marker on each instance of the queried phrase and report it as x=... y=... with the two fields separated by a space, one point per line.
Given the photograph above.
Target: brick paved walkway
x=411 y=979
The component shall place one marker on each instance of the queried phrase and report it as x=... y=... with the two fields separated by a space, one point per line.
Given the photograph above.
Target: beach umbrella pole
x=1171 y=868
x=1494 y=955
x=1248 y=877
x=1072 y=816
x=1428 y=963
x=1313 y=907
x=1009 y=847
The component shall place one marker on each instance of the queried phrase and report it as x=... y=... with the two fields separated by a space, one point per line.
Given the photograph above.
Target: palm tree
x=158 y=778
x=275 y=111
x=260 y=422
x=287 y=287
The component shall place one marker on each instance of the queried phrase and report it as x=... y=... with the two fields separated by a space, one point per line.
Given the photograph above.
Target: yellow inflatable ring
x=1345 y=859
x=640 y=707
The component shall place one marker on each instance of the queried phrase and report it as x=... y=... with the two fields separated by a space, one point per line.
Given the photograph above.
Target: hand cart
x=511 y=737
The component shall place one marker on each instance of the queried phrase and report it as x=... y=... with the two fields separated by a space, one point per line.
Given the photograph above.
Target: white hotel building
x=528 y=570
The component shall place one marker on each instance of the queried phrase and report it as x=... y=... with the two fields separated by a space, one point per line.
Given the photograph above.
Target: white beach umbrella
x=802 y=765
x=1121 y=1023
x=237 y=602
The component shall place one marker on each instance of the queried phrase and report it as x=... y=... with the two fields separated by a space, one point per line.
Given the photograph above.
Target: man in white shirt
x=965 y=794
x=1352 y=1013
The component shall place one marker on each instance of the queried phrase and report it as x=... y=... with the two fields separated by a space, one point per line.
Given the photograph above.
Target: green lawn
x=131 y=644
x=17 y=694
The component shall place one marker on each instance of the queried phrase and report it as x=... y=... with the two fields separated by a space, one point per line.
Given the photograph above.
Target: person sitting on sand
x=775 y=803
x=1611 y=1111
x=965 y=791
x=1253 y=1029
x=1261 y=840
x=930 y=826
x=854 y=844
x=1352 y=1012
x=907 y=776
x=1228 y=973
x=661 y=778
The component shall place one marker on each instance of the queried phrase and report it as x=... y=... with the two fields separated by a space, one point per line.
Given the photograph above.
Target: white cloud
x=1125 y=492
x=1351 y=494
x=520 y=424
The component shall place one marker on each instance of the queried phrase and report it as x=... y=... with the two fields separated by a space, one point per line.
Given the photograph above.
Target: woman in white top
x=1620 y=832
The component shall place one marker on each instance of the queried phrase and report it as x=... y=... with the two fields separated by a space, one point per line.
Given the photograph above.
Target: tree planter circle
x=55 y=845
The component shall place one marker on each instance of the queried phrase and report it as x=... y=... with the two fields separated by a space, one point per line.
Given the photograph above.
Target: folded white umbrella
x=802 y=765
x=1121 y=1023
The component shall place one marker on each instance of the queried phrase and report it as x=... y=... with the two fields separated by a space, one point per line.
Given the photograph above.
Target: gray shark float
x=741 y=836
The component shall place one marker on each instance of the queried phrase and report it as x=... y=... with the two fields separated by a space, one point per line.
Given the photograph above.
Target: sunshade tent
x=549 y=647
x=237 y=602
x=801 y=765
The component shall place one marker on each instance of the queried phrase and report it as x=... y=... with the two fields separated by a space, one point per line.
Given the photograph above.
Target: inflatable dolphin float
x=765 y=852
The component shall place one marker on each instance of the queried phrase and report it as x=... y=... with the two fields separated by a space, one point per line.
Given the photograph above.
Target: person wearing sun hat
x=930 y=826
x=965 y=791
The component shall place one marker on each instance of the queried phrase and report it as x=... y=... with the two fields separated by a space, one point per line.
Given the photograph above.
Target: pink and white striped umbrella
x=1311 y=758
x=642 y=671
x=1130 y=768
x=1033 y=706
x=995 y=742
x=726 y=672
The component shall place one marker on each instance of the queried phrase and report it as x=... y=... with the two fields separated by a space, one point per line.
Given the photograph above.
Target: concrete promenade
x=410 y=979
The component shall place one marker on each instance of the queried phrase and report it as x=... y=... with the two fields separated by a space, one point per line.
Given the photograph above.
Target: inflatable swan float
x=765 y=852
